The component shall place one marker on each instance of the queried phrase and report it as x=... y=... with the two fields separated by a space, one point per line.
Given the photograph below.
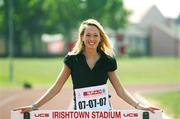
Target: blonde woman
x=91 y=64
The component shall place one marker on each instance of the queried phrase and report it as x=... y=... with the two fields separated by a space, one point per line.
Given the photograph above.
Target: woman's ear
x=100 y=43
x=81 y=37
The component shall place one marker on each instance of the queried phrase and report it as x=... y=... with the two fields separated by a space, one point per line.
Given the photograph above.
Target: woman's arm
x=125 y=95
x=56 y=87
x=51 y=92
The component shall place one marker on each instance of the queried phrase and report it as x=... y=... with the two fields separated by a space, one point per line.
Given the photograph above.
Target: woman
x=90 y=64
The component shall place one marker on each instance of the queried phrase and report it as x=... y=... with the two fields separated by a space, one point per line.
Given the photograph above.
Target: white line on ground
x=8 y=99
x=144 y=101
x=70 y=107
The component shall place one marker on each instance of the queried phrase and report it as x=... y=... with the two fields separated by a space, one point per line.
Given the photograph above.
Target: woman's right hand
x=24 y=109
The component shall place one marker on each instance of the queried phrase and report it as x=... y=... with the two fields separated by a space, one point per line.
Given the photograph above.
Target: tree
x=61 y=15
x=109 y=12
x=3 y=28
x=32 y=18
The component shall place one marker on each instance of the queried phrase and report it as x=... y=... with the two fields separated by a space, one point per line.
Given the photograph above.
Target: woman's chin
x=91 y=47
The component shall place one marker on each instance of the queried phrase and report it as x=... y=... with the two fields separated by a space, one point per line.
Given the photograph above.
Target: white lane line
x=144 y=101
x=70 y=107
x=8 y=99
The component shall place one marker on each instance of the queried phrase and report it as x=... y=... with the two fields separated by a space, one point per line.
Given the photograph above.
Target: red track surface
x=12 y=98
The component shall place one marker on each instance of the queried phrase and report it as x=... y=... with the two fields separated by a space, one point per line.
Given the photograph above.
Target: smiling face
x=91 y=37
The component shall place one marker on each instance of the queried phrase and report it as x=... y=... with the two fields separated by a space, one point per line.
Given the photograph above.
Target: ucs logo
x=130 y=115
x=41 y=115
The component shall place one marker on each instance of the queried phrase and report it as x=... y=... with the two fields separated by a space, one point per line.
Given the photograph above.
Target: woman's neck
x=90 y=54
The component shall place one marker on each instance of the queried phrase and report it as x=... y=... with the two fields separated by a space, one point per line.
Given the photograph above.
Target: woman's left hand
x=147 y=108
x=151 y=109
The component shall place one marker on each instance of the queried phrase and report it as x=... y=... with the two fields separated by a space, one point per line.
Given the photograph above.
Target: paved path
x=11 y=98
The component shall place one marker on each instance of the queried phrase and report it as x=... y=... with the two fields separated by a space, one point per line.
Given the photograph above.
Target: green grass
x=36 y=71
x=43 y=72
x=168 y=102
x=149 y=70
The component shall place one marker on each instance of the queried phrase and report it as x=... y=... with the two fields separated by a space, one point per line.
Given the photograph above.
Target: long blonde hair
x=104 y=45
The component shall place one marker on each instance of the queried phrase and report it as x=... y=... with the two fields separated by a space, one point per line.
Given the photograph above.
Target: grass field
x=146 y=70
x=130 y=71
x=168 y=101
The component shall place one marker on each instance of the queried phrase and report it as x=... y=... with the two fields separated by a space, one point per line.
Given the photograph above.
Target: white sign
x=92 y=98
x=64 y=114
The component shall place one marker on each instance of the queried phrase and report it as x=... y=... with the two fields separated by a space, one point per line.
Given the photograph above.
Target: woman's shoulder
x=71 y=56
x=107 y=57
x=70 y=59
x=110 y=62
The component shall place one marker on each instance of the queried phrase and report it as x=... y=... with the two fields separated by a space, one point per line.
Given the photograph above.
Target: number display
x=92 y=98
x=92 y=103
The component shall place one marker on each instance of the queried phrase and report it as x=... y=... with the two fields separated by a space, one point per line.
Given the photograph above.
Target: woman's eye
x=87 y=35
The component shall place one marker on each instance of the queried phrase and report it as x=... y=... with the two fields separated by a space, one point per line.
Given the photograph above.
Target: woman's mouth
x=91 y=43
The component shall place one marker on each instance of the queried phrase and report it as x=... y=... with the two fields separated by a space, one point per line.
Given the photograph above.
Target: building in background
x=55 y=43
x=154 y=35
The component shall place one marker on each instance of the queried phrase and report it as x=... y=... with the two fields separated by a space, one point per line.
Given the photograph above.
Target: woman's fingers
x=26 y=110
x=23 y=109
x=19 y=108
x=151 y=109
x=154 y=108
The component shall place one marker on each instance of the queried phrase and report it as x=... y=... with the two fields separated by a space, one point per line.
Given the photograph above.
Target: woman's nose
x=92 y=38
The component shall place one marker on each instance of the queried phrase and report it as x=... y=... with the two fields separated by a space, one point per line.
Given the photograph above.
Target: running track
x=12 y=98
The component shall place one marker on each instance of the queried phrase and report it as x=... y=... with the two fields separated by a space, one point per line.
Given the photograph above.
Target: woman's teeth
x=91 y=43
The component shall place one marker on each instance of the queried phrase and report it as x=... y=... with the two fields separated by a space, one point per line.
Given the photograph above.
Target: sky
x=169 y=8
